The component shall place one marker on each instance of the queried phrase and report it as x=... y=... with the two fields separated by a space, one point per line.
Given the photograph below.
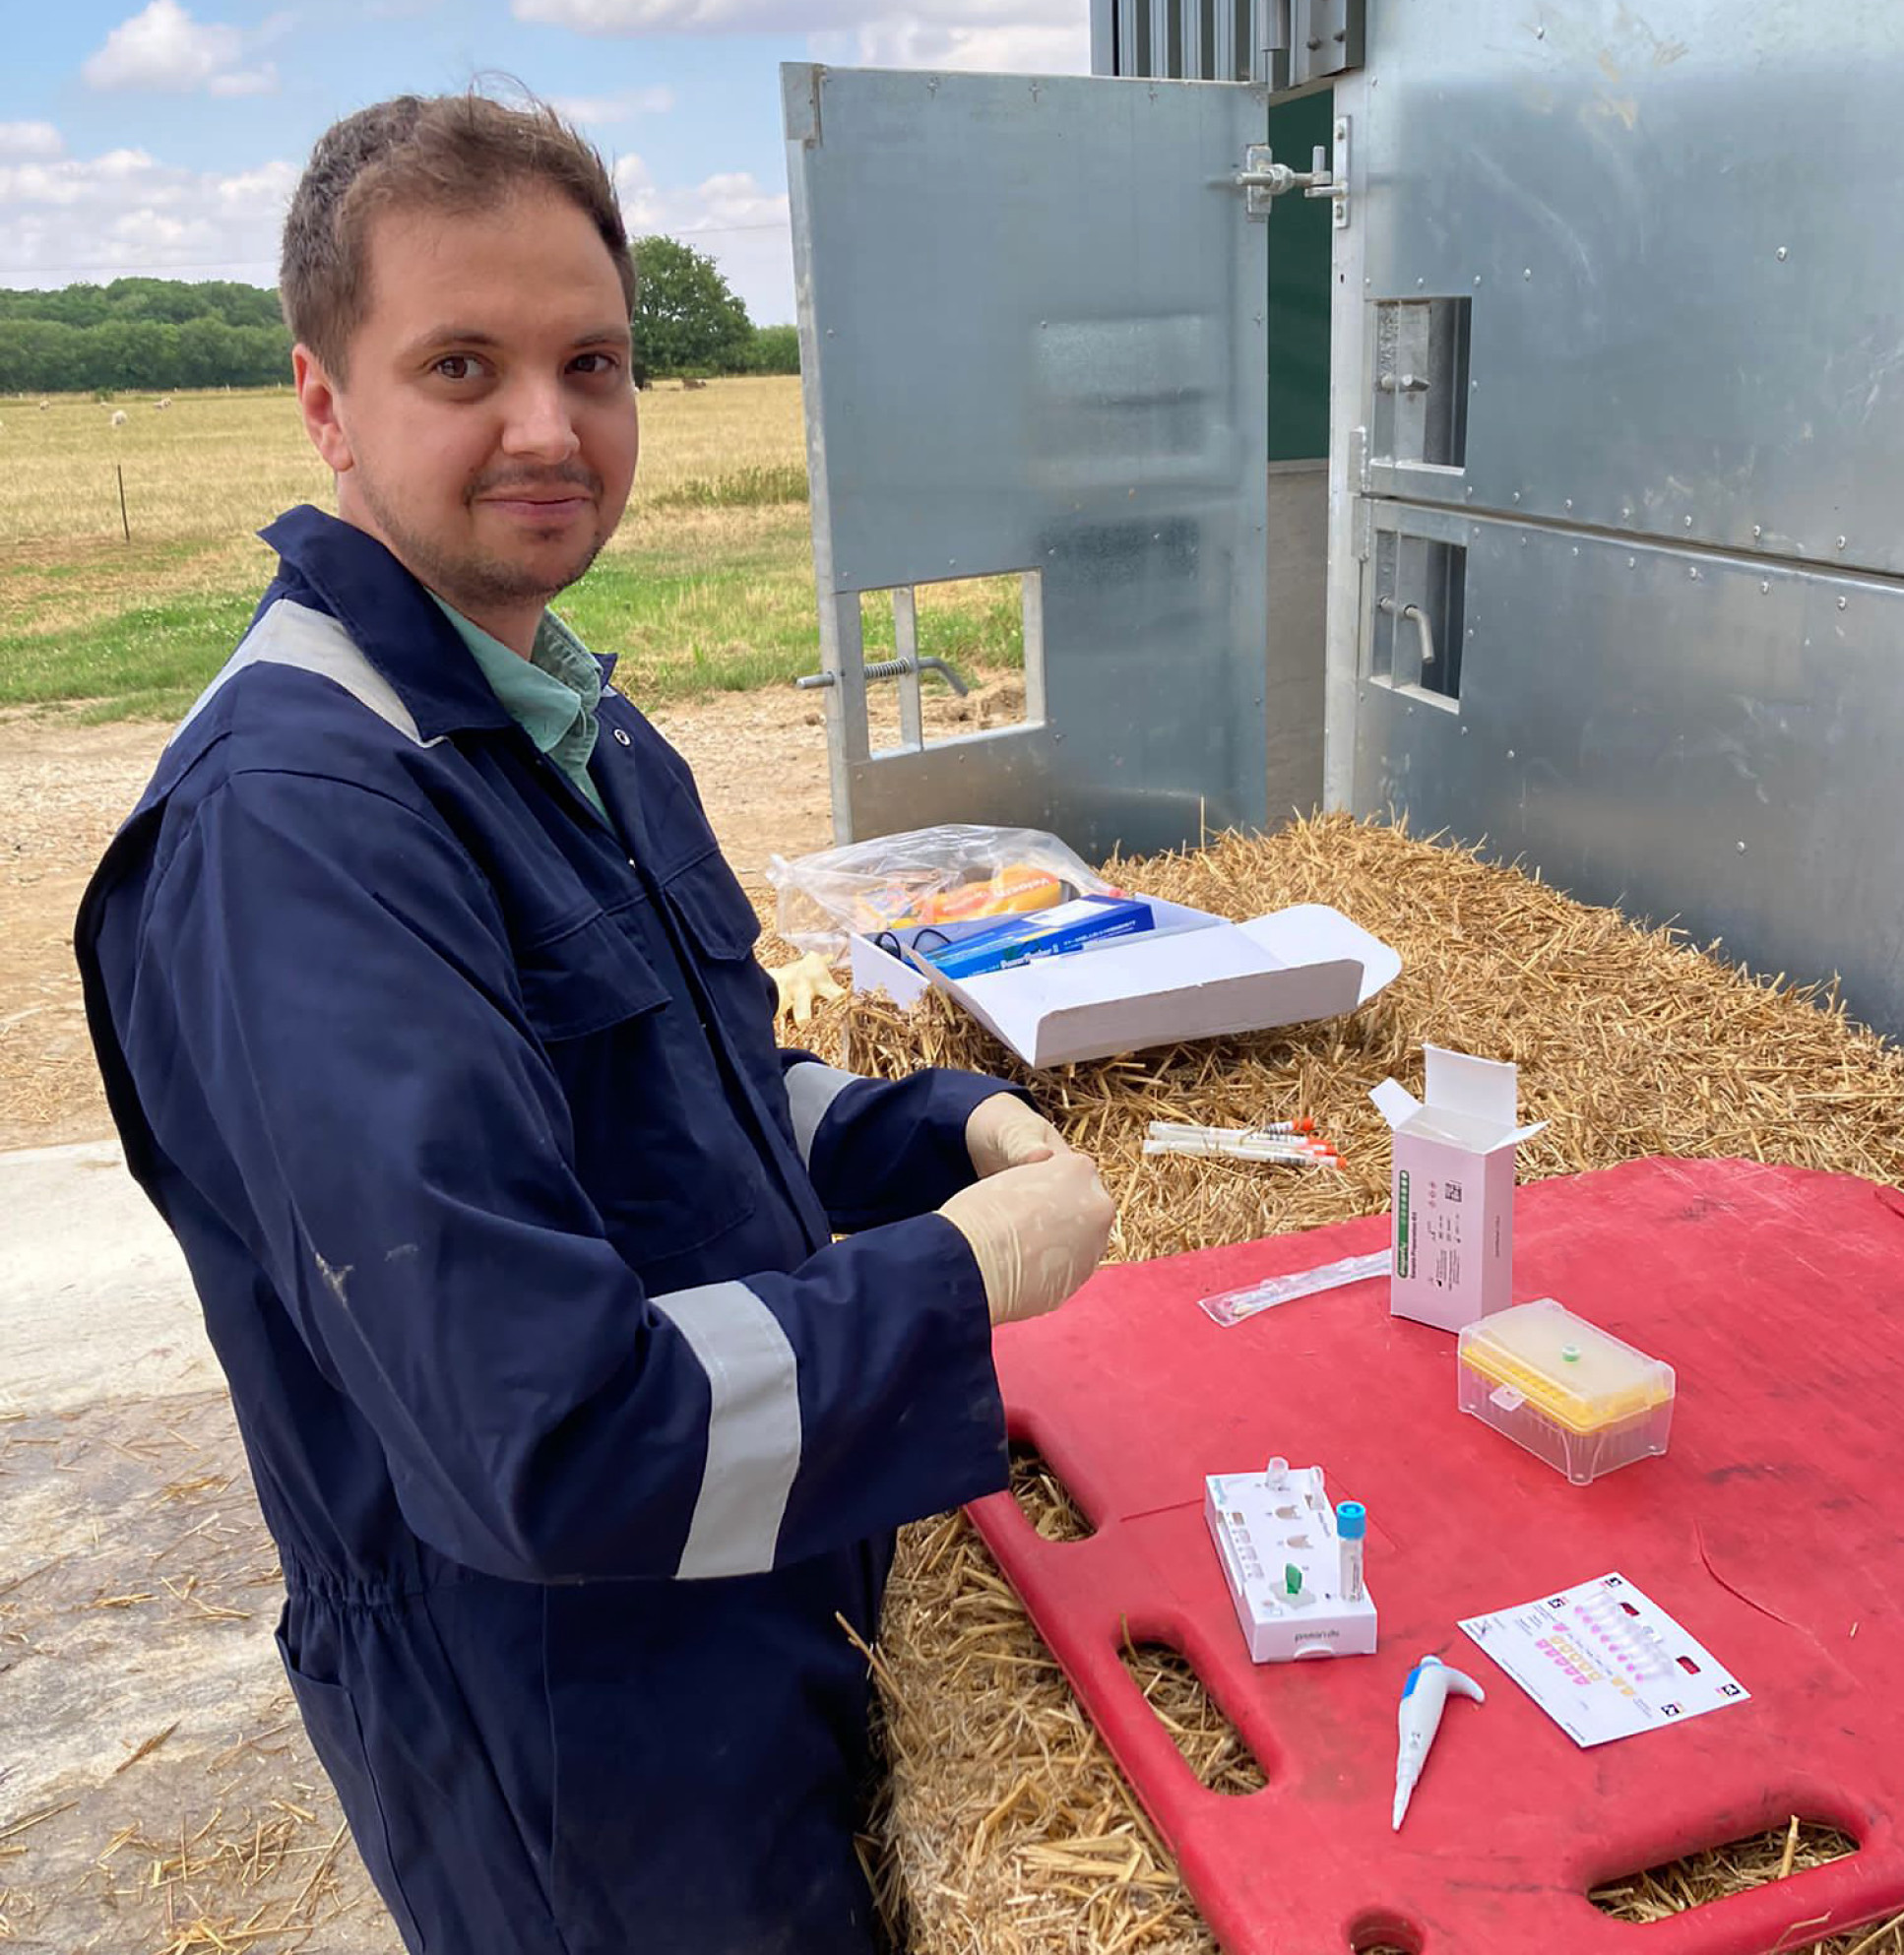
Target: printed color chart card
x=1605 y=1661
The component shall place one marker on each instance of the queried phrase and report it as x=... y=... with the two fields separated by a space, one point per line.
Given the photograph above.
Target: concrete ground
x=156 y=1793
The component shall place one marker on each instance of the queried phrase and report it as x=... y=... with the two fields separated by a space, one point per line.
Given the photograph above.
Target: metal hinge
x=1263 y=179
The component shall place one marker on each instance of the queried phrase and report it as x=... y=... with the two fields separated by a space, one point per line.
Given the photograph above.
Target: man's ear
x=317 y=401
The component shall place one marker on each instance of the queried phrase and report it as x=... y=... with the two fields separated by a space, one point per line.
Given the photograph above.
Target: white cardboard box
x=1454 y=1189
x=1194 y=975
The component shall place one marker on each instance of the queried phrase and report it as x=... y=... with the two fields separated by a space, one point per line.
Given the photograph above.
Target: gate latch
x=1263 y=179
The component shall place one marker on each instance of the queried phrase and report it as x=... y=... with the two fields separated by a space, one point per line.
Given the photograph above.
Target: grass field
x=708 y=586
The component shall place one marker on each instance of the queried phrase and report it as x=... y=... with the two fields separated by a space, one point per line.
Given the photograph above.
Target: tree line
x=162 y=334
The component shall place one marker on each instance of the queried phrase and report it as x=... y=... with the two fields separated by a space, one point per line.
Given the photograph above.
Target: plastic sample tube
x=1351 y=1527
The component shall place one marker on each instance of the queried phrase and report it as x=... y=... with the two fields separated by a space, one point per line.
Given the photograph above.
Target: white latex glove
x=800 y=983
x=1037 y=1231
x=1003 y=1133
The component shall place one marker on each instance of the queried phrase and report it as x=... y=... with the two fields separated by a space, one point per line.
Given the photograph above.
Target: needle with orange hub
x=1291 y=1143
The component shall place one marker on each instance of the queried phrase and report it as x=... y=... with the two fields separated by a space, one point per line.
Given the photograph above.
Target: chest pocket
x=654 y=1140
x=719 y=923
x=586 y=979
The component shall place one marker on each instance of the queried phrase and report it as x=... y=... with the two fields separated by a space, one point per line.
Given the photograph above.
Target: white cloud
x=733 y=217
x=1011 y=36
x=30 y=140
x=165 y=51
x=598 y=112
x=941 y=41
x=111 y=216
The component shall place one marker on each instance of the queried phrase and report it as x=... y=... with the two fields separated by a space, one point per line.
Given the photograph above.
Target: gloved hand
x=1037 y=1231
x=800 y=983
x=1003 y=1133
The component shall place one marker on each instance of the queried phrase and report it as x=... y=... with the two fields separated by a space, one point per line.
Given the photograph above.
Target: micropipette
x=1423 y=1697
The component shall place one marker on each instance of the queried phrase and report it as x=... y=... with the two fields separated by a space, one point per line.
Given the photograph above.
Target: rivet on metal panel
x=1527 y=271
x=1540 y=33
x=1626 y=514
x=1764 y=584
x=1689 y=522
x=1510 y=753
x=1476 y=530
x=1477 y=278
x=1742 y=847
x=1418 y=283
x=1693 y=572
x=1576 y=549
x=1464 y=732
x=1632 y=564
x=1843 y=602
x=1783 y=254
x=1759 y=528
x=1569 y=502
x=1523 y=543
x=1841 y=542
x=1517 y=495
x=1468 y=490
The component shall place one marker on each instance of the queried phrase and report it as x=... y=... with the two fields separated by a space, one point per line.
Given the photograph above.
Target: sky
x=164 y=139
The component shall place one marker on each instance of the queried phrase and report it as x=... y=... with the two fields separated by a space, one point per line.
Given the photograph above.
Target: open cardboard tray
x=1194 y=975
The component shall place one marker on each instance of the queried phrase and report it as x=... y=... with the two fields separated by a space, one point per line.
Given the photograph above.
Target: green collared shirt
x=552 y=695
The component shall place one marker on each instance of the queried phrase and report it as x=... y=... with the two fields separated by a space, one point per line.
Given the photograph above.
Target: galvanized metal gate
x=1619 y=521
x=1032 y=330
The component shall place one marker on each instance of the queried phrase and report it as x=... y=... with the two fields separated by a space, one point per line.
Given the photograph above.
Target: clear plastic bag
x=953 y=873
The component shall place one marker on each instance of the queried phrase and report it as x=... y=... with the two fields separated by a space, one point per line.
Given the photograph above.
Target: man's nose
x=537 y=423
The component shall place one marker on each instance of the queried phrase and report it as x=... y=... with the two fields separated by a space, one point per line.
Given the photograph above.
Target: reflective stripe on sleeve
x=811 y=1090
x=753 y=1427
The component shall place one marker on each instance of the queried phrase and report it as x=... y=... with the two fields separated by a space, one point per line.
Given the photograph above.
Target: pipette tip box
x=1572 y=1394
x=1275 y=1529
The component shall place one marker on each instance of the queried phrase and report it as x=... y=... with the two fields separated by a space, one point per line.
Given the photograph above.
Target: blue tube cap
x=1352 y=1520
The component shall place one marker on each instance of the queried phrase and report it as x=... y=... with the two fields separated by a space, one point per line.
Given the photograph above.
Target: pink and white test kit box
x=1454 y=1189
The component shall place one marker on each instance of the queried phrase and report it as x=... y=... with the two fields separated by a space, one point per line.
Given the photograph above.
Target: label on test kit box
x=1604 y=1660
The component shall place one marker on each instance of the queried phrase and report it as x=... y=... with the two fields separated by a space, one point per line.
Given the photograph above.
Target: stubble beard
x=474 y=580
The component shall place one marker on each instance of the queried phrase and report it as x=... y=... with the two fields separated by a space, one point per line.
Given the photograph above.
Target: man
x=428 y=1015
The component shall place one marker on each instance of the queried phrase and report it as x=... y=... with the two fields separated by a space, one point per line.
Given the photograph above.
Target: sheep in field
x=118 y=417
x=161 y=406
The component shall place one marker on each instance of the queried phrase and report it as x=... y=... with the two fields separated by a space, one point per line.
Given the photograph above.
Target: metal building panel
x=1674 y=223
x=1687 y=735
x=1033 y=336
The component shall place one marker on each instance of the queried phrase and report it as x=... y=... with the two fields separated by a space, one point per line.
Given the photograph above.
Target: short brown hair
x=444 y=153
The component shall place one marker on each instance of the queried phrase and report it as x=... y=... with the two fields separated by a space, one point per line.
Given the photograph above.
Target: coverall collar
x=393 y=620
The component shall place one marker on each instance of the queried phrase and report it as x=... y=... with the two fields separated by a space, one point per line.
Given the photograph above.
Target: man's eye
x=595 y=362
x=454 y=366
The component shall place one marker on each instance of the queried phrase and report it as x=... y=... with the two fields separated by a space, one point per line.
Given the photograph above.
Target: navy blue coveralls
x=512 y=1229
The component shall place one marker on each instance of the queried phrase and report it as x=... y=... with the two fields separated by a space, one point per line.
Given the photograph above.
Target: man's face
x=487 y=430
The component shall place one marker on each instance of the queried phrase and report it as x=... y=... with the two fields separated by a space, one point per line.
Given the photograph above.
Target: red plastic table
x=1772 y=1529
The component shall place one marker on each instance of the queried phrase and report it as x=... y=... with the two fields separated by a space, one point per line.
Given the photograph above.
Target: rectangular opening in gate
x=1418 y=625
x=975 y=646
x=1421 y=411
x=1777 y=1854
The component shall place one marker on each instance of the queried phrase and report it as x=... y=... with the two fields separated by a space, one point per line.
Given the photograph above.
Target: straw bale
x=1004 y=1826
